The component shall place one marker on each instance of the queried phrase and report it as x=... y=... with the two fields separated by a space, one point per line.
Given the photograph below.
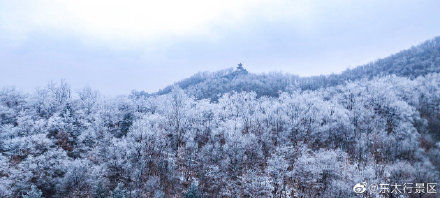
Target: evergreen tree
x=193 y=192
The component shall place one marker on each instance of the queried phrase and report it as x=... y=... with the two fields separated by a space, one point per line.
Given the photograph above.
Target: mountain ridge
x=416 y=61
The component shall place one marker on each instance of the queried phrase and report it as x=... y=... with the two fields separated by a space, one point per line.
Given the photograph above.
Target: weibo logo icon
x=360 y=188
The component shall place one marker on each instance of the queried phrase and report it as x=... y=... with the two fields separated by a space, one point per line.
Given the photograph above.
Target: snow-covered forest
x=275 y=135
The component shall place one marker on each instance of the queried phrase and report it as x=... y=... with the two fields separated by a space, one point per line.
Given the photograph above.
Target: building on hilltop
x=241 y=69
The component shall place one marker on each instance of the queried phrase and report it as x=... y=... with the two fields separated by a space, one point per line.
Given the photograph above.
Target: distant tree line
x=411 y=63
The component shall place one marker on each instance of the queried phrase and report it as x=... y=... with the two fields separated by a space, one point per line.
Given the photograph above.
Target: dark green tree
x=193 y=192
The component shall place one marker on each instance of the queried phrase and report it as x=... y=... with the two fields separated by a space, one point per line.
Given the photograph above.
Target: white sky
x=116 y=46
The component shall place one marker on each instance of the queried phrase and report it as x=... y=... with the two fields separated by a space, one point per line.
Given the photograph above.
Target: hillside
x=416 y=61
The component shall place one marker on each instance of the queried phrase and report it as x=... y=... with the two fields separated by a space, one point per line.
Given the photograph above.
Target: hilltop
x=416 y=61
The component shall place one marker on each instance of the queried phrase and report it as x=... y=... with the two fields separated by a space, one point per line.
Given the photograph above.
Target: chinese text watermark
x=396 y=188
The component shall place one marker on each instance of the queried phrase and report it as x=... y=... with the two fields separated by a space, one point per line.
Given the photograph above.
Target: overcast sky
x=118 y=46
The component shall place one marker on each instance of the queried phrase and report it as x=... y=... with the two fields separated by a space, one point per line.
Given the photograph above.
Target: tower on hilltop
x=241 y=69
